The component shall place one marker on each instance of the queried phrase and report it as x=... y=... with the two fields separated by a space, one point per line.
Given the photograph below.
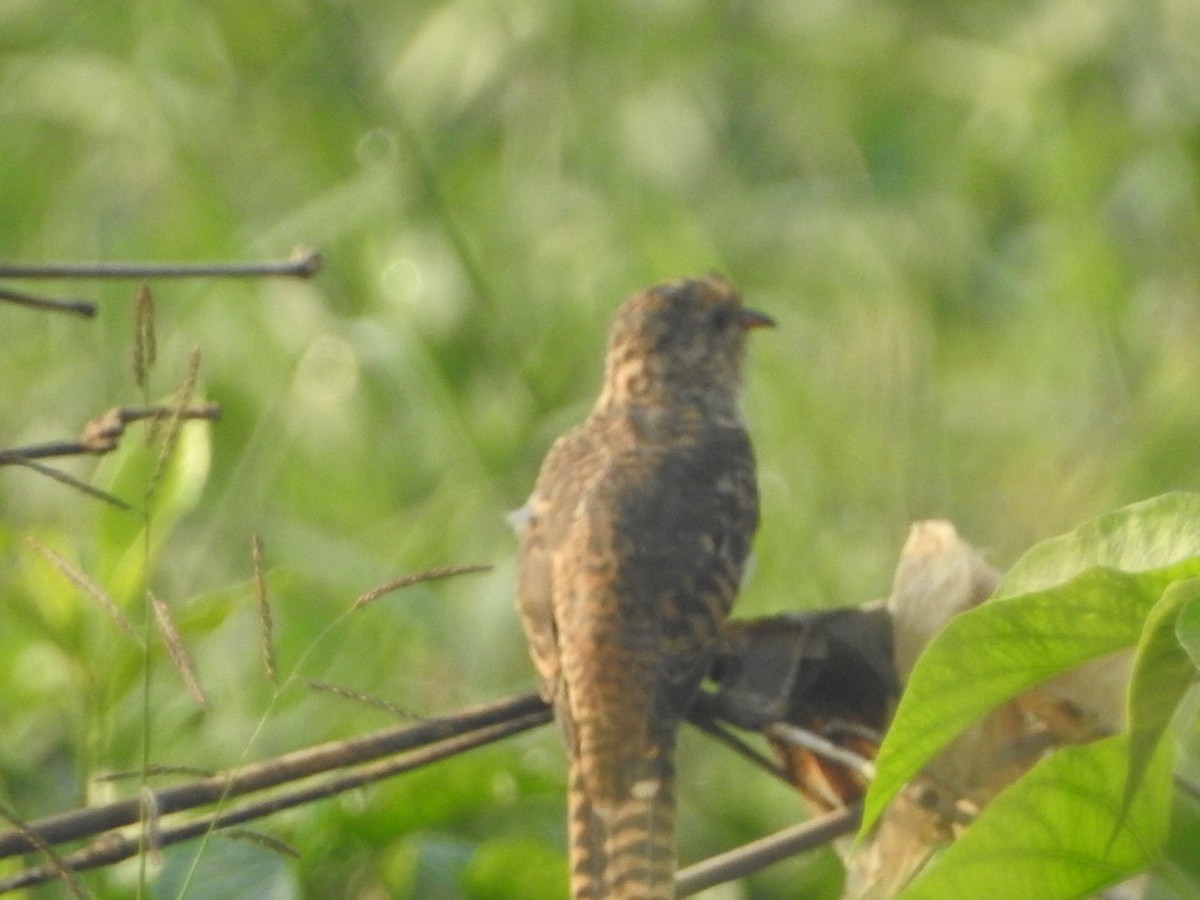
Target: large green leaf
x=1141 y=537
x=998 y=650
x=1062 y=831
x=1187 y=629
x=1162 y=674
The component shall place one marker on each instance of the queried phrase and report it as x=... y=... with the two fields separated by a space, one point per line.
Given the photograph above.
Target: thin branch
x=101 y=434
x=702 y=715
x=262 y=840
x=72 y=305
x=757 y=855
x=808 y=740
x=373 y=757
x=112 y=848
x=85 y=823
x=153 y=770
x=303 y=263
x=8 y=459
x=56 y=867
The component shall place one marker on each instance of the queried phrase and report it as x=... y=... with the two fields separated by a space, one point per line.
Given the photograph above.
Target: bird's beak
x=749 y=319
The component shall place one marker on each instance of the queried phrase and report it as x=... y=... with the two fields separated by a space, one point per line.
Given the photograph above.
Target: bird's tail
x=624 y=850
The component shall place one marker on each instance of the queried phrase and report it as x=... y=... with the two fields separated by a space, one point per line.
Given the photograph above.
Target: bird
x=633 y=546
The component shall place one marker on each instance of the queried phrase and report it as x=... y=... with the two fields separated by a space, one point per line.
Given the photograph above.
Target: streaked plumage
x=633 y=545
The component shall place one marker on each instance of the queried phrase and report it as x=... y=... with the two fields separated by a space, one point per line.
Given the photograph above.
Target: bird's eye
x=721 y=318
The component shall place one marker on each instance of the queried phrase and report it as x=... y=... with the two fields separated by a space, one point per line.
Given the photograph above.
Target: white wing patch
x=518 y=519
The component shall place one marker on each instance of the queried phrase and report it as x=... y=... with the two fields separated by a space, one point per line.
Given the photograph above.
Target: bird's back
x=630 y=563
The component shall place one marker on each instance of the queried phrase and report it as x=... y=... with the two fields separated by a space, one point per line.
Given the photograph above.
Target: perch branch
x=756 y=855
x=84 y=823
x=303 y=263
x=76 y=307
x=112 y=848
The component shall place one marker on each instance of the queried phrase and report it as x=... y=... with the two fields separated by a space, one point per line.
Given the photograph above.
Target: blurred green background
x=977 y=225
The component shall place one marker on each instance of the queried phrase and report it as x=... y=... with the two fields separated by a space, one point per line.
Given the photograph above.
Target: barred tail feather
x=585 y=836
x=641 y=841
x=628 y=851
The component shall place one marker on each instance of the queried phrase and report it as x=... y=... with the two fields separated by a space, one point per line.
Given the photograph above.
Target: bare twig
x=808 y=740
x=364 y=760
x=112 y=848
x=102 y=433
x=702 y=715
x=262 y=840
x=759 y=854
x=77 y=824
x=8 y=459
x=72 y=305
x=153 y=770
x=55 y=865
x=303 y=263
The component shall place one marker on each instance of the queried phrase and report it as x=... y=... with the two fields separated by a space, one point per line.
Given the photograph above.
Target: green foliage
x=1158 y=534
x=161 y=485
x=975 y=223
x=1162 y=675
x=1187 y=629
x=229 y=867
x=1120 y=581
x=513 y=870
x=1064 y=830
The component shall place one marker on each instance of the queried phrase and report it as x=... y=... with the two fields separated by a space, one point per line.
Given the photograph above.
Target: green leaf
x=1162 y=674
x=1187 y=629
x=128 y=541
x=1059 y=832
x=996 y=651
x=1141 y=537
x=1080 y=606
x=1181 y=863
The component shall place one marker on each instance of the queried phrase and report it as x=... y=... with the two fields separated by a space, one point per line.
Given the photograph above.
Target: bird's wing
x=543 y=525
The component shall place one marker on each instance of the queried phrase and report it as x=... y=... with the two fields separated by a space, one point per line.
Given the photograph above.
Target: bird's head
x=679 y=343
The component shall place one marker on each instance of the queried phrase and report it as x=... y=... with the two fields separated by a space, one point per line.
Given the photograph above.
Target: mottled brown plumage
x=632 y=548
